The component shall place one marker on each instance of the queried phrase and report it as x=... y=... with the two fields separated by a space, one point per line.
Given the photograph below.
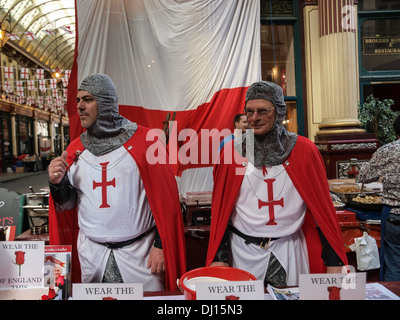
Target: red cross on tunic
x=271 y=203
x=104 y=184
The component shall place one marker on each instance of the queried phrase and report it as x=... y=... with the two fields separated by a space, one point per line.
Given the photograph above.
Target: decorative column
x=339 y=73
x=340 y=137
x=35 y=134
x=14 y=134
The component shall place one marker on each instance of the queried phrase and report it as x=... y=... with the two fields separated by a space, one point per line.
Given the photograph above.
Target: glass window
x=381 y=44
x=373 y=5
x=277 y=56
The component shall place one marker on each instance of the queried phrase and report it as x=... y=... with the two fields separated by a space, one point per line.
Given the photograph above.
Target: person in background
x=240 y=125
x=129 y=222
x=385 y=165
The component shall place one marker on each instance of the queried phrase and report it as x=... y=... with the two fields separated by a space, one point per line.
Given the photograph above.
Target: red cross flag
x=42 y=85
x=8 y=71
x=200 y=55
x=53 y=83
x=39 y=73
x=12 y=36
x=65 y=82
x=7 y=87
x=49 y=32
x=66 y=29
x=24 y=73
x=20 y=88
x=30 y=35
x=31 y=85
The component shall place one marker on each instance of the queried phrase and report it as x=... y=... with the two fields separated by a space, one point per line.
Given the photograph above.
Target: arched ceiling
x=35 y=16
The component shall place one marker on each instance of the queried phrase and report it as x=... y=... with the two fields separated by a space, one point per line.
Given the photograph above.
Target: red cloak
x=312 y=186
x=162 y=193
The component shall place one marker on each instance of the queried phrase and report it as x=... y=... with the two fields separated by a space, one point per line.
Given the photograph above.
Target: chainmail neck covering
x=274 y=147
x=110 y=130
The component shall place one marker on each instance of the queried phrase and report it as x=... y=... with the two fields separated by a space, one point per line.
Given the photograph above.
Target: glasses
x=261 y=112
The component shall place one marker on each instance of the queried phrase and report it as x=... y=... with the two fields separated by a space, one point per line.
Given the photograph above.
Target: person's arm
x=156 y=258
x=371 y=171
x=224 y=249
x=63 y=193
x=330 y=258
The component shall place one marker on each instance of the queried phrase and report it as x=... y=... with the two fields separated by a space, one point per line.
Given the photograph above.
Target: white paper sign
x=107 y=291
x=21 y=264
x=332 y=286
x=230 y=290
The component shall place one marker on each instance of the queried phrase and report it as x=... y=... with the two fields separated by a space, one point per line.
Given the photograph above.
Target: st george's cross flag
x=194 y=58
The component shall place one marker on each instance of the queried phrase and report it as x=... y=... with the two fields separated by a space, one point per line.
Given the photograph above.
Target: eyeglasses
x=261 y=112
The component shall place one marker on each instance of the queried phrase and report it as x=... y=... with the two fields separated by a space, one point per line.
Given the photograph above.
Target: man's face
x=242 y=124
x=87 y=108
x=263 y=120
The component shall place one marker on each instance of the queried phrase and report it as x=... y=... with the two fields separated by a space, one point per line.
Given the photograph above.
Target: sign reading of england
x=21 y=264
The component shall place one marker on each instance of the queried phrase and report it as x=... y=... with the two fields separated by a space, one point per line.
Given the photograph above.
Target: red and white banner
x=194 y=57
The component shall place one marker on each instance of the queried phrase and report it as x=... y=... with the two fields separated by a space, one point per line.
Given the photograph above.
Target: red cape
x=162 y=193
x=312 y=186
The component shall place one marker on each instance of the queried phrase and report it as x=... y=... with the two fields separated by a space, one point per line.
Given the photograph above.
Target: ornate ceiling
x=42 y=30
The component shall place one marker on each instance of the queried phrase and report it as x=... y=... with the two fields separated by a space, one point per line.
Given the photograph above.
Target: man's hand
x=342 y=269
x=156 y=260
x=57 y=168
x=219 y=264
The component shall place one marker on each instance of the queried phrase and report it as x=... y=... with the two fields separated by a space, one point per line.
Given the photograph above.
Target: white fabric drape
x=172 y=55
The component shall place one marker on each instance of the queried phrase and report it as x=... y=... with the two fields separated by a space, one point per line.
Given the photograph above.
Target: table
x=393 y=286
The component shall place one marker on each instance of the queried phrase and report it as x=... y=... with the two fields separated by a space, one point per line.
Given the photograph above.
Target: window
x=281 y=56
x=380 y=44
x=277 y=56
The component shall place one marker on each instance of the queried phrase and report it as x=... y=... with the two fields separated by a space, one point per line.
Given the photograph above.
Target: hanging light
x=57 y=73
x=3 y=37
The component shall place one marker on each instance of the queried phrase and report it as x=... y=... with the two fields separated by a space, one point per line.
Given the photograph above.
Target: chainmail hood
x=272 y=148
x=110 y=130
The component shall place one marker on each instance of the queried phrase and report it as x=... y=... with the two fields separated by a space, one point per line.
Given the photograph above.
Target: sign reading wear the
x=107 y=291
x=230 y=290
x=332 y=286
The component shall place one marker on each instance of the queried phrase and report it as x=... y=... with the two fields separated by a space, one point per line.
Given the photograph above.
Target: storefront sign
x=332 y=286
x=21 y=264
x=107 y=291
x=381 y=45
x=230 y=290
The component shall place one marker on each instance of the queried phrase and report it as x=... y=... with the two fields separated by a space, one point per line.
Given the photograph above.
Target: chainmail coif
x=110 y=130
x=274 y=147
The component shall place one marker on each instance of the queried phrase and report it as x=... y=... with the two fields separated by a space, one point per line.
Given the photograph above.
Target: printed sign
x=332 y=286
x=230 y=290
x=21 y=264
x=107 y=291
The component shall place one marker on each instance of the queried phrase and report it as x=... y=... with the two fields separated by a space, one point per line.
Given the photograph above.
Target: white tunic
x=113 y=207
x=268 y=205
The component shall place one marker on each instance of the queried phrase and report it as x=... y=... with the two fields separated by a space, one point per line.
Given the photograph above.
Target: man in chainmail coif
x=125 y=231
x=272 y=214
